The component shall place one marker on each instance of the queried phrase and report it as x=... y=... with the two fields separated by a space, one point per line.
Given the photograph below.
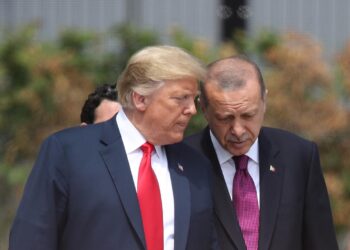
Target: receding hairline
x=234 y=64
x=238 y=66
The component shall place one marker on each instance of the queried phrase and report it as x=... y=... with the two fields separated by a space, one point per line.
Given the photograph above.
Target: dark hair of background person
x=106 y=91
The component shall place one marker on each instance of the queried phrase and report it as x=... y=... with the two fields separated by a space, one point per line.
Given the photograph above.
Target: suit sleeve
x=318 y=231
x=41 y=214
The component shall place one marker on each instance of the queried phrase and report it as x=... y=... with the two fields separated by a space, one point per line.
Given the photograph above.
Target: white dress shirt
x=133 y=140
x=228 y=168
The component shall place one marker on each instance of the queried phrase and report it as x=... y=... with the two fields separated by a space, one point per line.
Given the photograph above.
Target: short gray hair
x=233 y=74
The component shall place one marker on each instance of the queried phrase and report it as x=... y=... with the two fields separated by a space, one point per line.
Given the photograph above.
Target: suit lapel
x=115 y=158
x=223 y=204
x=181 y=191
x=271 y=177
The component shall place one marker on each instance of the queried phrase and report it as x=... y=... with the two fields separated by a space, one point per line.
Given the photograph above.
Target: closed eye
x=248 y=116
x=224 y=118
x=181 y=98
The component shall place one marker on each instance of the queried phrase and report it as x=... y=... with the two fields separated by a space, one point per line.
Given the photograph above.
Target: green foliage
x=78 y=42
x=11 y=185
x=196 y=47
x=255 y=46
x=133 y=39
x=242 y=42
x=265 y=41
x=31 y=74
x=16 y=69
x=126 y=39
x=83 y=46
x=197 y=123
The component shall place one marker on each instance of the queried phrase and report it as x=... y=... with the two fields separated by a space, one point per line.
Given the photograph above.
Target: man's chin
x=175 y=138
x=238 y=148
x=181 y=127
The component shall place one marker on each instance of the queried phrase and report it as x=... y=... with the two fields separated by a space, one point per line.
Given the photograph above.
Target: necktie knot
x=147 y=148
x=241 y=162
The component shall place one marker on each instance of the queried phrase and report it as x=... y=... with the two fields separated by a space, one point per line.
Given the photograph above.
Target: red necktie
x=246 y=203
x=148 y=194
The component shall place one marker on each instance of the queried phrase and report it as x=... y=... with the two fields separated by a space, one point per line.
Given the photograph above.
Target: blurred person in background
x=127 y=183
x=269 y=190
x=101 y=105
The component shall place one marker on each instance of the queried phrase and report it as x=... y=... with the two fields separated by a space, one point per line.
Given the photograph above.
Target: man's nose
x=191 y=108
x=237 y=128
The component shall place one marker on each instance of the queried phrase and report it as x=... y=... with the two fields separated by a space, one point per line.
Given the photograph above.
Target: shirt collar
x=132 y=138
x=223 y=155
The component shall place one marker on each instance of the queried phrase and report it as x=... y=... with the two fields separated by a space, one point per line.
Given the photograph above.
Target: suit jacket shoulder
x=280 y=135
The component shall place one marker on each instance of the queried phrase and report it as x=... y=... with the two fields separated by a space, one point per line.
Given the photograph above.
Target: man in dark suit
x=125 y=183
x=280 y=188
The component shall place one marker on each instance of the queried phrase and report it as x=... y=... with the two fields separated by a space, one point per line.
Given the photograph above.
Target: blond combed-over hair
x=150 y=67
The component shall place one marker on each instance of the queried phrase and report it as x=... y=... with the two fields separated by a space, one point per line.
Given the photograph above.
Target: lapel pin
x=272 y=168
x=180 y=167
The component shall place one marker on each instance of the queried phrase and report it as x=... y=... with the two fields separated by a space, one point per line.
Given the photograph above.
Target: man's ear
x=139 y=101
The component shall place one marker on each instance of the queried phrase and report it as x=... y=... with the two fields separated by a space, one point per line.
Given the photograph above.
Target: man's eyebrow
x=251 y=111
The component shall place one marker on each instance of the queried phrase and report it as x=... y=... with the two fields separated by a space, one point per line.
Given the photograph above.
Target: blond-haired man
x=126 y=183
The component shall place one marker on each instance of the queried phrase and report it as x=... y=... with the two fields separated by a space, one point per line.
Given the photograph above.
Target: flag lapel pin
x=180 y=167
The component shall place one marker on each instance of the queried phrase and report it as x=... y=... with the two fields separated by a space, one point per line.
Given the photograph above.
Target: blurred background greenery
x=43 y=86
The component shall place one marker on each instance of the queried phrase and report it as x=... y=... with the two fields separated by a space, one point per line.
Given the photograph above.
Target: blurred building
x=326 y=21
x=195 y=17
x=212 y=20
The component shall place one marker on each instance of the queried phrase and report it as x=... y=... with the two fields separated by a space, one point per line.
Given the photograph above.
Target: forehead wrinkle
x=228 y=105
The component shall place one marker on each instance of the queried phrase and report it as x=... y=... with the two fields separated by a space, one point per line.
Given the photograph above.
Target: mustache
x=236 y=139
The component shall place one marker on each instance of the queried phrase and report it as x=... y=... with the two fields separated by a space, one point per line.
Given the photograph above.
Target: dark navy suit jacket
x=294 y=205
x=81 y=196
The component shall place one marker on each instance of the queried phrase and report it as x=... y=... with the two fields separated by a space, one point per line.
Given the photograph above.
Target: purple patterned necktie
x=246 y=202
